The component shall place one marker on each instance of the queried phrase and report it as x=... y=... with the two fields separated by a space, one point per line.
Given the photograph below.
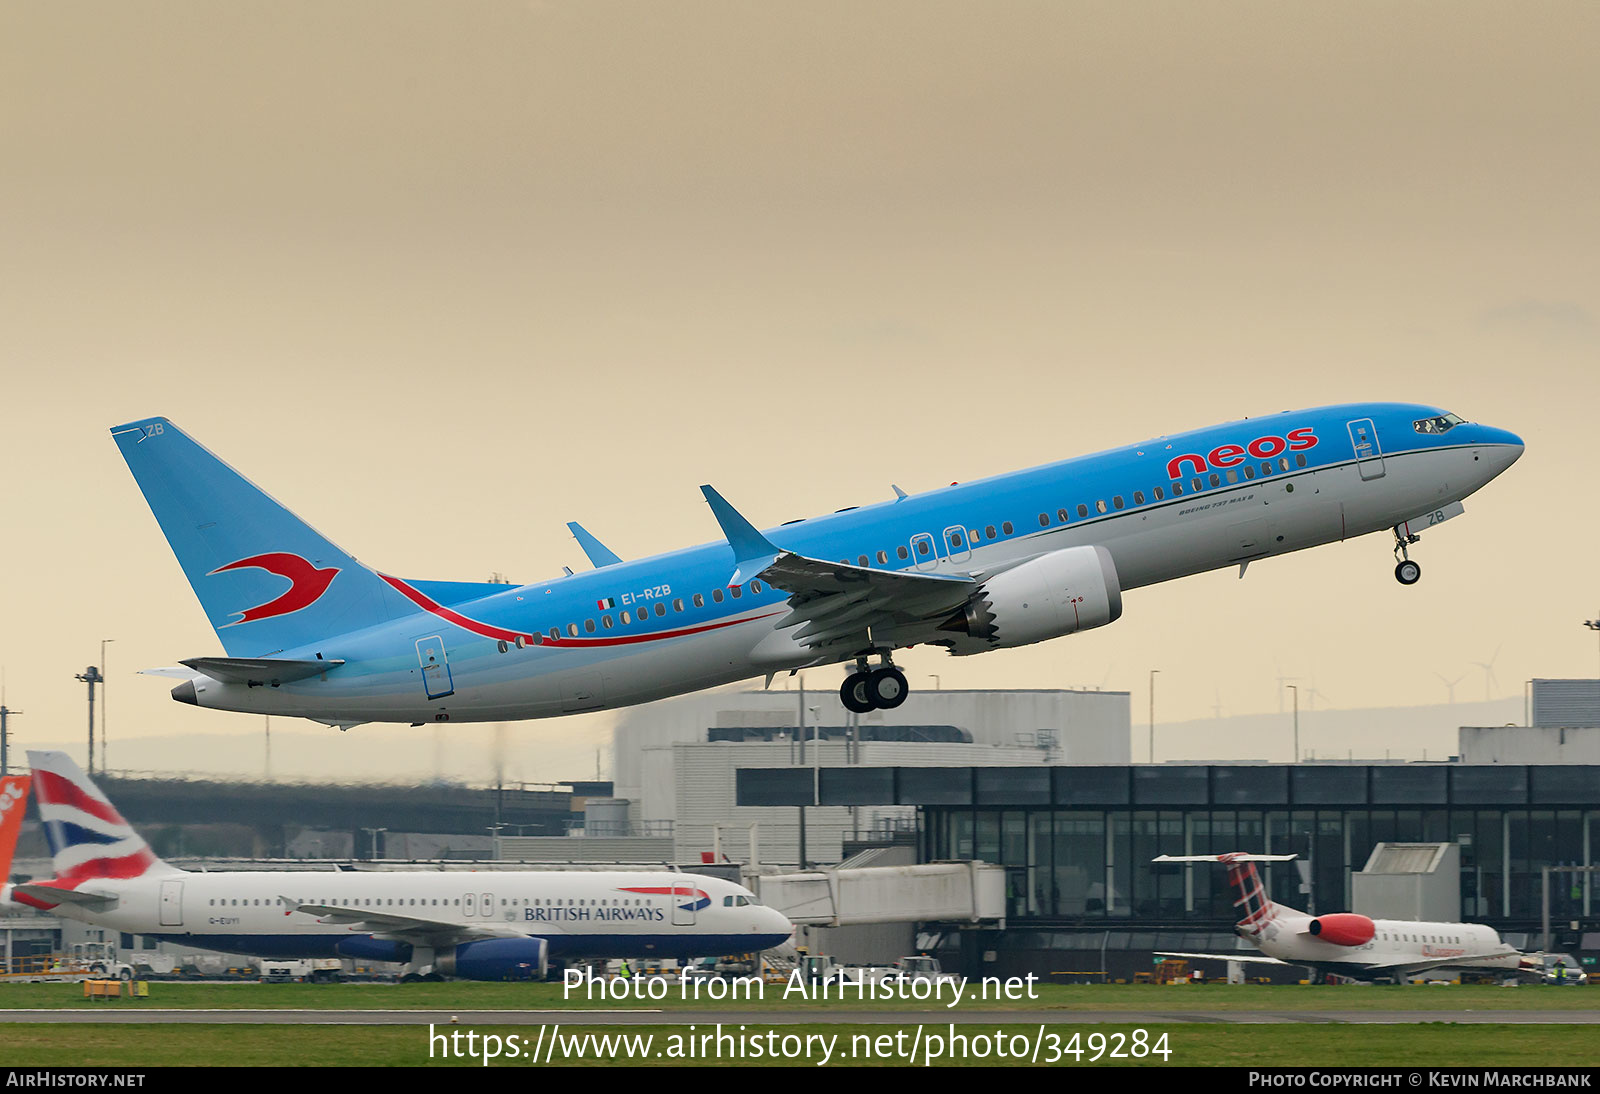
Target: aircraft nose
x=1506 y=447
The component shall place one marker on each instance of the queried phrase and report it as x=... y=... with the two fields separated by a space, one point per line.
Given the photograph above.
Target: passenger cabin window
x=1005 y=526
x=1061 y=514
x=922 y=546
x=955 y=539
x=1138 y=497
x=861 y=560
x=1160 y=493
x=605 y=621
x=1215 y=481
x=699 y=601
x=883 y=558
x=1044 y=520
x=627 y=617
x=716 y=594
x=988 y=531
x=1100 y=507
x=736 y=591
x=902 y=552
x=1116 y=501
x=1299 y=459
x=661 y=607
x=1083 y=510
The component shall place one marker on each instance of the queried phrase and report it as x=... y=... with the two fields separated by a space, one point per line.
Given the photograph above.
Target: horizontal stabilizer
x=95 y=902
x=259 y=670
x=599 y=554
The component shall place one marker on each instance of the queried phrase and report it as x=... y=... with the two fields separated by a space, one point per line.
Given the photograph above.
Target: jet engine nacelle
x=1343 y=929
x=1056 y=594
x=496 y=959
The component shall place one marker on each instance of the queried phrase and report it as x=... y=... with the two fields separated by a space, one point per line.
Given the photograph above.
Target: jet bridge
x=939 y=892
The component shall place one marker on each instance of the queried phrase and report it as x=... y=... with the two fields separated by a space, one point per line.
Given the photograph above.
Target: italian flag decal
x=607 y=603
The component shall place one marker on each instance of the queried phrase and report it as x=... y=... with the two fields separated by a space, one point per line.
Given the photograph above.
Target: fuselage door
x=172 y=903
x=956 y=546
x=683 y=902
x=435 y=667
x=925 y=551
x=1369 y=457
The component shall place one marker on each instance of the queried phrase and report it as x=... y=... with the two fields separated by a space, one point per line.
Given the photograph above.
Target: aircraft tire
x=856 y=693
x=1408 y=572
x=887 y=687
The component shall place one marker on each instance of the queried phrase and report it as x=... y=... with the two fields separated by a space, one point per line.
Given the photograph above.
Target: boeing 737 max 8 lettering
x=979 y=566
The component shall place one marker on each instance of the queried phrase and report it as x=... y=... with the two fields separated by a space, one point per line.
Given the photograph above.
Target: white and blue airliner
x=978 y=566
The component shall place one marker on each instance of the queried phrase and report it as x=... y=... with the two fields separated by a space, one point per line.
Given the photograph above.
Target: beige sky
x=444 y=276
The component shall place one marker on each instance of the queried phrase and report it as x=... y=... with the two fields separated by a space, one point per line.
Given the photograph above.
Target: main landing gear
x=1406 y=572
x=865 y=689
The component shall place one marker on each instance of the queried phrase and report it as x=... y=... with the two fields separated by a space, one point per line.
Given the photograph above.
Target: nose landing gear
x=867 y=689
x=1406 y=572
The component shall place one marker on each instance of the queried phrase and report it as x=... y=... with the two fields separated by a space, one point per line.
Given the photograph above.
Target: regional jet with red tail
x=309 y=631
x=1345 y=943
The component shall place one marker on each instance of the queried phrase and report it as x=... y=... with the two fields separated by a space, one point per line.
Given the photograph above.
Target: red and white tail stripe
x=88 y=838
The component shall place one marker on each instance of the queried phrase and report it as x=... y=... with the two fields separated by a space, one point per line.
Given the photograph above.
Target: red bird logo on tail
x=307 y=584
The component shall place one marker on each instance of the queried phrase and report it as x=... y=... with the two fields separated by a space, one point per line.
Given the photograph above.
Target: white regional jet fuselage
x=483 y=925
x=1346 y=943
x=984 y=565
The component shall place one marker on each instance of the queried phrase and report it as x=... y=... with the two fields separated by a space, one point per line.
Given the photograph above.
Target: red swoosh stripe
x=488 y=630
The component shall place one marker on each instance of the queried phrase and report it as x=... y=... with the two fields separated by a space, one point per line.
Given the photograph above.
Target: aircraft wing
x=1254 y=959
x=1461 y=961
x=406 y=928
x=834 y=602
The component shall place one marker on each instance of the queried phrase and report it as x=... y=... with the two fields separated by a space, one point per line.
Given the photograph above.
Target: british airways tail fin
x=88 y=838
x=267 y=580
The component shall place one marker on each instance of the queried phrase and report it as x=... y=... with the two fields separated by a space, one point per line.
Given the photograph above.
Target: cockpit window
x=1441 y=424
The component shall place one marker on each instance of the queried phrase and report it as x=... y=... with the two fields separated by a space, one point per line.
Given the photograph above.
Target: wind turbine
x=1488 y=673
x=1450 y=685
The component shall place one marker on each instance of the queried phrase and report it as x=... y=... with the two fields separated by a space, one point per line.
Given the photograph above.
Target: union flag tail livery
x=13 y=804
x=972 y=567
x=89 y=841
x=1346 y=943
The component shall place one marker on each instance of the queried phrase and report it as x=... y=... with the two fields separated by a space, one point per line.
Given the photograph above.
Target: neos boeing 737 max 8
x=491 y=925
x=978 y=566
x=1348 y=943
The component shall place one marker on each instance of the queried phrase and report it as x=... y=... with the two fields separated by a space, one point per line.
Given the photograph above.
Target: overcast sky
x=443 y=276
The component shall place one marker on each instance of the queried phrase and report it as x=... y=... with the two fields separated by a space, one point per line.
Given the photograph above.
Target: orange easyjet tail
x=13 y=804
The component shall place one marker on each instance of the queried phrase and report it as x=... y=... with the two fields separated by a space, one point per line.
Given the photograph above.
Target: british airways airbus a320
x=979 y=566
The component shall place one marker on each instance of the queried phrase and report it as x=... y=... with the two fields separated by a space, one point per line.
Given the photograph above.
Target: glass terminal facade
x=1077 y=842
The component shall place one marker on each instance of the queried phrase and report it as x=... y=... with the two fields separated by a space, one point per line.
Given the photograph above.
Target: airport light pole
x=90 y=676
x=105 y=701
x=1296 y=691
x=5 y=738
x=1153 y=673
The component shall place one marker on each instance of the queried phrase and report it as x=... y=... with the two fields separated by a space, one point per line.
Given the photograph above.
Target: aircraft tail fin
x=88 y=838
x=13 y=804
x=1256 y=910
x=238 y=547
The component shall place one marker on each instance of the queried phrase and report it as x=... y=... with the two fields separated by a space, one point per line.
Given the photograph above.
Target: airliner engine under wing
x=984 y=565
x=479 y=925
x=1346 y=943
